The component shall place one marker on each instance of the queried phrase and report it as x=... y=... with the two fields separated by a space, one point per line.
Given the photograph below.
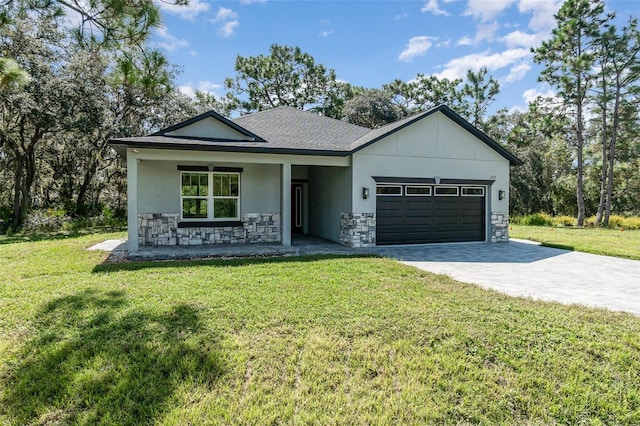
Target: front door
x=296 y=208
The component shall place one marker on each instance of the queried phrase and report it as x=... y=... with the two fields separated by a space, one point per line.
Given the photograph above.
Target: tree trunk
x=612 y=151
x=82 y=192
x=17 y=214
x=603 y=176
x=580 y=162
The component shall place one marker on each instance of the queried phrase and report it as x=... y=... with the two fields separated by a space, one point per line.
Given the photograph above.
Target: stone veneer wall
x=161 y=229
x=358 y=229
x=499 y=227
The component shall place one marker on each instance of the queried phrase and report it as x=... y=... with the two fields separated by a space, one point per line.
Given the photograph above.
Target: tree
x=334 y=102
x=425 y=92
x=28 y=115
x=286 y=77
x=479 y=91
x=535 y=137
x=568 y=59
x=11 y=74
x=373 y=108
x=54 y=130
x=114 y=23
x=618 y=59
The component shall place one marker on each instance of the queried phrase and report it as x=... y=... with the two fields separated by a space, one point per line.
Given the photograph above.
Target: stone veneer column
x=499 y=227
x=358 y=229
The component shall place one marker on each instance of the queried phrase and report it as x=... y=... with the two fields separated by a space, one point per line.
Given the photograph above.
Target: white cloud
x=326 y=33
x=520 y=39
x=190 y=11
x=400 y=16
x=228 y=28
x=517 y=72
x=417 y=46
x=193 y=53
x=542 y=11
x=229 y=21
x=465 y=41
x=169 y=42
x=486 y=10
x=486 y=31
x=189 y=88
x=247 y=2
x=433 y=7
x=444 y=43
x=225 y=14
x=457 y=68
x=531 y=95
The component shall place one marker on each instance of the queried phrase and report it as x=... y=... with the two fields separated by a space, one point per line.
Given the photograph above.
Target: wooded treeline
x=64 y=93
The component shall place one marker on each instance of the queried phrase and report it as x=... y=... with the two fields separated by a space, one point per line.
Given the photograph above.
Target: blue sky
x=368 y=43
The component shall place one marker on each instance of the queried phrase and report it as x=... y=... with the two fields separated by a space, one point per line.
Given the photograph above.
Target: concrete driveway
x=527 y=269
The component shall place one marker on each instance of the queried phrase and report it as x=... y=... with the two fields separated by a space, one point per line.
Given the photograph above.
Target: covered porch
x=210 y=198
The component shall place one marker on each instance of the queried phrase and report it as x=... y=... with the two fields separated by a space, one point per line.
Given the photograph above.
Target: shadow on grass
x=62 y=235
x=559 y=246
x=159 y=264
x=95 y=358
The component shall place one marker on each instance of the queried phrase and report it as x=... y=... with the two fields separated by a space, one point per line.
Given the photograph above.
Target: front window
x=210 y=195
x=225 y=195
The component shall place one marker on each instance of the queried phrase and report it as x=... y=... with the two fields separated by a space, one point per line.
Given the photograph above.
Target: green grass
x=610 y=242
x=322 y=340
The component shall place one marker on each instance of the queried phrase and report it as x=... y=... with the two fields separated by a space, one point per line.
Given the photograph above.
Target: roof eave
x=120 y=144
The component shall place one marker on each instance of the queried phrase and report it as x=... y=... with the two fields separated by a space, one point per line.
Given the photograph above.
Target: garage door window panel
x=418 y=191
x=473 y=191
x=389 y=190
x=446 y=191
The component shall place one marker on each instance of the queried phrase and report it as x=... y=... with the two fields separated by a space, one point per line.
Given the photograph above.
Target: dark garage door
x=414 y=214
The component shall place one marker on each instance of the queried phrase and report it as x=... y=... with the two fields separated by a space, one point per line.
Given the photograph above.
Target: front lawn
x=610 y=242
x=321 y=340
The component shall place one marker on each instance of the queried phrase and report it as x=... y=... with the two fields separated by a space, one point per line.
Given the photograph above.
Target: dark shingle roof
x=290 y=130
x=289 y=127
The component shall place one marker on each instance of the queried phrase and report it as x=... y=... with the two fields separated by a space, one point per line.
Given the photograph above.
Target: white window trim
x=389 y=195
x=435 y=191
x=472 y=195
x=418 y=195
x=209 y=197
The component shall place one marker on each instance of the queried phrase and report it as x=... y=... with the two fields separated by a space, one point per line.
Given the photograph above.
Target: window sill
x=209 y=224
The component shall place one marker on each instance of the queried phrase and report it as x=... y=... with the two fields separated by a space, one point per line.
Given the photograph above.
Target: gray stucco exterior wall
x=159 y=187
x=329 y=197
x=434 y=147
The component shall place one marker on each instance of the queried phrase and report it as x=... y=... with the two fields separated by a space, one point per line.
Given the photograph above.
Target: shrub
x=615 y=221
x=537 y=219
x=632 y=222
x=564 y=221
x=49 y=220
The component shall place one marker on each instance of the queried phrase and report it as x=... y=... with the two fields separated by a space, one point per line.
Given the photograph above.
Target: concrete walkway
x=527 y=269
x=516 y=268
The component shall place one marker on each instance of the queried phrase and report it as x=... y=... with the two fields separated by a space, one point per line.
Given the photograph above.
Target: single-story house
x=431 y=177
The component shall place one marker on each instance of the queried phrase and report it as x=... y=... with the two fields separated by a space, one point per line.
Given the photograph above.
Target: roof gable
x=384 y=131
x=209 y=126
